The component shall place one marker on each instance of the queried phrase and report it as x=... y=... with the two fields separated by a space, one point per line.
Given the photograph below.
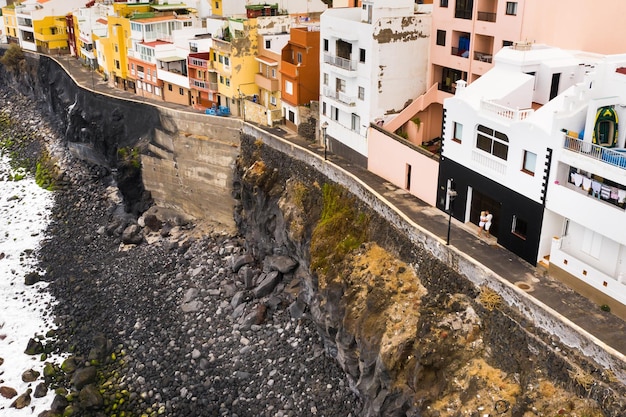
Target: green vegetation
x=341 y=228
x=129 y=156
x=13 y=58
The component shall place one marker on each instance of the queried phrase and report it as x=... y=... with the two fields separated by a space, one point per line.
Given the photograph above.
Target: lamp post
x=450 y=195
x=324 y=127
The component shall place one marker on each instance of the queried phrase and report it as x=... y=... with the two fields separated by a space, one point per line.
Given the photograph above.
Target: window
x=361 y=55
x=519 y=227
x=217 y=4
x=117 y=64
x=288 y=87
x=273 y=72
x=325 y=45
x=458 y=132
x=181 y=91
x=291 y=116
x=356 y=121
x=169 y=87
x=324 y=108
x=273 y=100
x=507 y=43
x=511 y=8
x=464 y=9
x=226 y=61
x=334 y=113
x=340 y=85
x=221 y=79
x=116 y=48
x=361 y=93
x=325 y=79
x=227 y=82
x=528 y=165
x=443 y=3
x=299 y=56
x=268 y=43
x=441 y=37
x=221 y=59
x=493 y=142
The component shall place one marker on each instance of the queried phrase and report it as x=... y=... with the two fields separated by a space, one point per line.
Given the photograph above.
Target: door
x=554 y=87
x=482 y=202
x=408 y=177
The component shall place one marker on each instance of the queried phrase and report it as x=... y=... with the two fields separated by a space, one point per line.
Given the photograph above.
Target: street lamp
x=324 y=127
x=450 y=195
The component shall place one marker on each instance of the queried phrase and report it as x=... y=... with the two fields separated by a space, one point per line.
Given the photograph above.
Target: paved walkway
x=606 y=327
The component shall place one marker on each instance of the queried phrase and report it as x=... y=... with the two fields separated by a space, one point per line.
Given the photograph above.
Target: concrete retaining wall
x=189 y=164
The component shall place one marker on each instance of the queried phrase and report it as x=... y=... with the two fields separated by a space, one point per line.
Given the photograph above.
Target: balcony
x=201 y=64
x=340 y=62
x=509 y=113
x=463 y=53
x=483 y=56
x=486 y=17
x=614 y=157
x=289 y=69
x=203 y=85
x=340 y=97
x=269 y=84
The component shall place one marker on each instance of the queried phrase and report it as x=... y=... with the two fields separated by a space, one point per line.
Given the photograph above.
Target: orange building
x=202 y=80
x=300 y=71
x=142 y=74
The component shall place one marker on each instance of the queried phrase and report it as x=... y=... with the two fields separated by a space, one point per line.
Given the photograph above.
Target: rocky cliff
x=414 y=337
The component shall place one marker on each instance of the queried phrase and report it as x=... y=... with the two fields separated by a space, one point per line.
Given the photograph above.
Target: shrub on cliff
x=13 y=58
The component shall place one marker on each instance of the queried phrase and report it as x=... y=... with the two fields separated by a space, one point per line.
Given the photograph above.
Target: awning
x=172 y=59
x=162 y=7
x=267 y=61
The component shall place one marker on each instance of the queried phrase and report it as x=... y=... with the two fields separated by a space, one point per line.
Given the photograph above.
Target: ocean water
x=24 y=310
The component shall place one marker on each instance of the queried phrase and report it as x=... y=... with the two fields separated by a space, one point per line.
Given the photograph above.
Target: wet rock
x=8 y=392
x=30 y=375
x=32 y=278
x=34 y=347
x=23 y=400
x=40 y=390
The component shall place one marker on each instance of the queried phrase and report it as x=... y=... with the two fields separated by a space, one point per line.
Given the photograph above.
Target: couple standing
x=485 y=222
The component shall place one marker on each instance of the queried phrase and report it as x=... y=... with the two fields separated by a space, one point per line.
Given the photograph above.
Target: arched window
x=492 y=141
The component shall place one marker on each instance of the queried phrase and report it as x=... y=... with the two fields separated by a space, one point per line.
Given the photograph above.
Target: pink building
x=465 y=36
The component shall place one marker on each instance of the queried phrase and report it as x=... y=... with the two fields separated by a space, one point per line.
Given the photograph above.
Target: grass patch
x=341 y=228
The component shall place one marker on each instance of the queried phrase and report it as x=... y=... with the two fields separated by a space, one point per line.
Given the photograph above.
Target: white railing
x=607 y=155
x=504 y=111
x=340 y=62
x=340 y=96
x=488 y=162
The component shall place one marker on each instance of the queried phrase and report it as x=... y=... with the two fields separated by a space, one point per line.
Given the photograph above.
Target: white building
x=535 y=141
x=91 y=21
x=373 y=63
x=31 y=11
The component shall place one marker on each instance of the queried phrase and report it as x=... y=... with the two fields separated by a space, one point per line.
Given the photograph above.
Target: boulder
x=132 y=235
x=242 y=260
x=32 y=278
x=34 y=347
x=283 y=264
x=267 y=283
x=84 y=376
x=58 y=404
x=22 y=401
x=8 y=392
x=40 y=390
x=30 y=375
x=90 y=398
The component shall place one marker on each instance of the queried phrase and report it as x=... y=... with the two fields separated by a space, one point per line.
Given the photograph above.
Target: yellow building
x=51 y=34
x=113 y=49
x=234 y=60
x=10 y=23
